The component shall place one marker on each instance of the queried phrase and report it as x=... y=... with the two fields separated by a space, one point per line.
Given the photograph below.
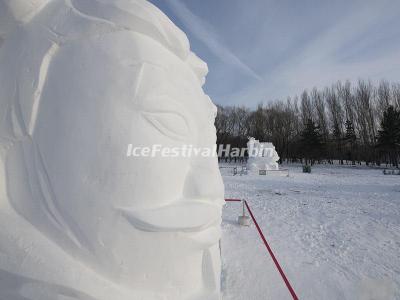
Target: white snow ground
x=336 y=233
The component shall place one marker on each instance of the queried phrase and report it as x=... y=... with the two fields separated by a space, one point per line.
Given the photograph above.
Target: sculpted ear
x=22 y=10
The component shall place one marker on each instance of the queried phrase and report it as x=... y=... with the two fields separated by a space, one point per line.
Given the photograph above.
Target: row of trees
x=341 y=122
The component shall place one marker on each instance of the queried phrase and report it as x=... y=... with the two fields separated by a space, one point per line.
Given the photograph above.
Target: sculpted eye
x=170 y=124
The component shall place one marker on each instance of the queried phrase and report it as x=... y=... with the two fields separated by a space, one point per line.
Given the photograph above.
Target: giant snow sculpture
x=262 y=156
x=79 y=81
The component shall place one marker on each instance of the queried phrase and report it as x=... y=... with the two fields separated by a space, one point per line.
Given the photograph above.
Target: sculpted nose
x=204 y=181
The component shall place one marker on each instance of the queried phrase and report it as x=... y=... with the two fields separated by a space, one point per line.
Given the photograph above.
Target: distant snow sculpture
x=262 y=156
x=79 y=81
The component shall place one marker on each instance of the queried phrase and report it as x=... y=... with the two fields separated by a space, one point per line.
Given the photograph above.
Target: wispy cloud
x=349 y=49
x=281 y=48
x=205 y=33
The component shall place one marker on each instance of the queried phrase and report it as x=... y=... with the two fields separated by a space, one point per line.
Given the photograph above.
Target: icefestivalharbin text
x=80 y=78
x=191 y=150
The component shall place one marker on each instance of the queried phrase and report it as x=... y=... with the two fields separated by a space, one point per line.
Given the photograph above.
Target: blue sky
x=262 y=50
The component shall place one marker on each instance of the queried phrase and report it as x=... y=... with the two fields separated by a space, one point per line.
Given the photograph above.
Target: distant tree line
x=344 y=123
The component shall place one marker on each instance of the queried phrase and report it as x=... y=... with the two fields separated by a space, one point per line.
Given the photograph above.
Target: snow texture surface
x=335 y=232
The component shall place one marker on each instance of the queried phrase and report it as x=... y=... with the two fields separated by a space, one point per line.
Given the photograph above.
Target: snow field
x=335 y=232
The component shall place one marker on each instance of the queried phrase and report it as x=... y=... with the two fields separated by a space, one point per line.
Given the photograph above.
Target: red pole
x=292 y=292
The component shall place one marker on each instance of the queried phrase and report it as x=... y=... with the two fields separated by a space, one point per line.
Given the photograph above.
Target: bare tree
x=396 y=95
x=347 y=100
x=384 y=98
x=306 y=107
x=320 y=110
x=365 y=113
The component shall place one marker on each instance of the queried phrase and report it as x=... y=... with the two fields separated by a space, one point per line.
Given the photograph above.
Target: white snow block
x=244 y=220
x=80 y=80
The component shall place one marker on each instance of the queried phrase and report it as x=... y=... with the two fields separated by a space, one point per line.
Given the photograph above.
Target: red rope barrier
x=291 y=290
x=232 y=200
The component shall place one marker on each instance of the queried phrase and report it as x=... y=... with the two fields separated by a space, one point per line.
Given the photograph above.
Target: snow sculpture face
x=104 y=76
